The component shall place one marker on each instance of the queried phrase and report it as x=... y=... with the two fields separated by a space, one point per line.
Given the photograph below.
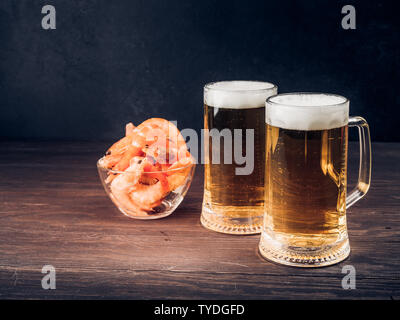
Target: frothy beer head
x=238 y=94
x=307 y=111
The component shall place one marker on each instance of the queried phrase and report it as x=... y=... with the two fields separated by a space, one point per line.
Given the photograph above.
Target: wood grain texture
x=55 y=211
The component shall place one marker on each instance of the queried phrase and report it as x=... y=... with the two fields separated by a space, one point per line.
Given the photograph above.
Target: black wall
x=111 y=61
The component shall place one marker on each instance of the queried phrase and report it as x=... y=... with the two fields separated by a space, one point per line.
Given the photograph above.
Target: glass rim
x=159 y=171
x=271 y=86
x=270 y=99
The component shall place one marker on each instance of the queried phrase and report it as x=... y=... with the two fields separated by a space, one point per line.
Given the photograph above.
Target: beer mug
x=234 y=113
x=306 y=178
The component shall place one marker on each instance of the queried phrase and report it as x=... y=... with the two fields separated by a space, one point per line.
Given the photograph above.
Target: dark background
x=110 y=62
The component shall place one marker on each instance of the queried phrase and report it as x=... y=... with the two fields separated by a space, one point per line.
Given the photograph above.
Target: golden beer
x=305 y=185
x=233 y=202
x=239 y=196
x=306 y=180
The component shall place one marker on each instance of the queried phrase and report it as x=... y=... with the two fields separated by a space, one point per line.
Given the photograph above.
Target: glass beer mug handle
x=364 y=171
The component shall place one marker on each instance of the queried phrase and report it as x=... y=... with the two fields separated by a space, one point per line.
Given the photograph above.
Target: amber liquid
x=305 y=186
x=227 y=194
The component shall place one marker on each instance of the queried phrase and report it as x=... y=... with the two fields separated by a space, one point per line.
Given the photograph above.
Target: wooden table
x=54 y=211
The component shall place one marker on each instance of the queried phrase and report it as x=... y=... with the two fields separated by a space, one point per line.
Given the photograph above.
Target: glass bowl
x=163 y=207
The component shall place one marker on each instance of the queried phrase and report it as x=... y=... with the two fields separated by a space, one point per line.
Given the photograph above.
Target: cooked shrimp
x=125 y=160
x=123 y=185
x=180 y=165
x=142 y=137
x=152 y=171
x=123 y=201
x=162 y=152
x=171 y=131
x=147 y=179
x=115 y=153
x=178 y=172
x=134 y=149
x=129 y=129
x=148 y=196
x=148 y=163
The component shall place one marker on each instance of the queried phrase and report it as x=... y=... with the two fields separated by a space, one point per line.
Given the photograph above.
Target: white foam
x=307 y=111
x=238 y=94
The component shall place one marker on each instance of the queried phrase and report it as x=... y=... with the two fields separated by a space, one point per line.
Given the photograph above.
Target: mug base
x=304 y=257
x=230 y=224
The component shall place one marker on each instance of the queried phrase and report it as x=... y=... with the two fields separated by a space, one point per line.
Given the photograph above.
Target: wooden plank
x=137 y=284
x=54 y=211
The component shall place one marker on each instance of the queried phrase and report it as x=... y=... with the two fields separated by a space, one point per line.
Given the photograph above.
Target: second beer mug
x=234 y=142
x=306 y=178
